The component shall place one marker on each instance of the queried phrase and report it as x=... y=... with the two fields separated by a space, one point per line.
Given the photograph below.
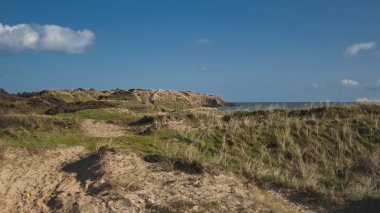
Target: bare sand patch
x=99 y=128
x=73 y=180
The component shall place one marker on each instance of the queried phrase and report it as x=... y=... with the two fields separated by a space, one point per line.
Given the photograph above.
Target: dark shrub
x=77 y=106
x=143 y=121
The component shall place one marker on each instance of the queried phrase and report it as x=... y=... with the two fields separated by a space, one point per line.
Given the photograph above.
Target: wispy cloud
x=203 y=41
x=349 y=83
x=207 y=68
x=35 y=37
x=317 y=85
x=354 y=49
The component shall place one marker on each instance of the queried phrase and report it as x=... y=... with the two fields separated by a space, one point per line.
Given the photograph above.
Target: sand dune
x=73 y=180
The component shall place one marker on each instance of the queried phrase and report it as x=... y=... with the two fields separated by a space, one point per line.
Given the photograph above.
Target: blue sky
x=269 y=50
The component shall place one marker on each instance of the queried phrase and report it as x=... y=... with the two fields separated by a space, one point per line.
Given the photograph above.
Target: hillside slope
x=144 y=99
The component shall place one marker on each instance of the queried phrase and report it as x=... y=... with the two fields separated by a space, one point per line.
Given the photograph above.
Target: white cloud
x=349 y=83
x=203 y=41
x=355 y=48
x=44 y=38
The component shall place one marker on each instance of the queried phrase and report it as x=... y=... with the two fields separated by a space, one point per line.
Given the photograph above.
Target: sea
x=251 y=106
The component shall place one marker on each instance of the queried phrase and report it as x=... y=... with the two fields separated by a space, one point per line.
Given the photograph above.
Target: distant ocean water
x=264 y=105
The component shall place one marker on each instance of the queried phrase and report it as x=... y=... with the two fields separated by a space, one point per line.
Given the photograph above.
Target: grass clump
x=18 y=137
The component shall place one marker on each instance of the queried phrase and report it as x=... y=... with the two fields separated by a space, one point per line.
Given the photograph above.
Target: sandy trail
x=72 y=180
x=99 y=128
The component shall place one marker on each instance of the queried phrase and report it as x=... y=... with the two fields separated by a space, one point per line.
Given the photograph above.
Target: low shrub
x=77 y=106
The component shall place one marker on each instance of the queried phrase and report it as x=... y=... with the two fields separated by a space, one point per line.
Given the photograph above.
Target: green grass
x=98 y=114
x=144 y=143
x=35 y=122
x=22 y=138
x=34 y=131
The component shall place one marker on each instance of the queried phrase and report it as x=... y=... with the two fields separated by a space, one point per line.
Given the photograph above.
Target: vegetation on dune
x=331 y=155
x=324 y=155
x=76 y=95
x=329 y=152
x=139 y=100
x=77 y=106
x=108 y=114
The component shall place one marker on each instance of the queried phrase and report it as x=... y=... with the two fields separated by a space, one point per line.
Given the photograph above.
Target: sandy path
x=71 y=180
x=99 y=128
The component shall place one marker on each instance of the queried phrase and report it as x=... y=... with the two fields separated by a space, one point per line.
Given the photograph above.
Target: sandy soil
x=34 y=182
x=72 y=180
x=98 y=128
